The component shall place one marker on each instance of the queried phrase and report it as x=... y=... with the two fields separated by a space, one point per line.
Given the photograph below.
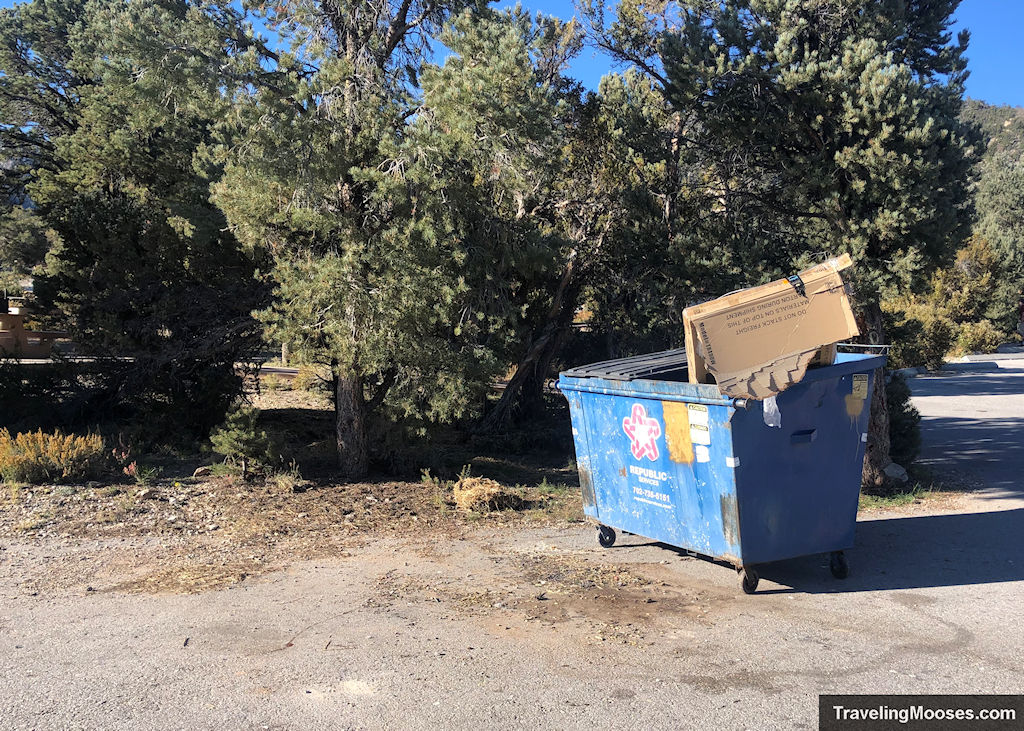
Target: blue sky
x=996 y=58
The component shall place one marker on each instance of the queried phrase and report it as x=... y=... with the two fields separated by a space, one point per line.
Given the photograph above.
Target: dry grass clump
x=306 y=379
x=482 y=495
x=38 y=458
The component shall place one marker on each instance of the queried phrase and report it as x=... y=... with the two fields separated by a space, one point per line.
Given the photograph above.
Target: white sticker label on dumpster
x=700 y=430
x=860 y=385
x=702 y=453
x=700 y=434
x=698 y=414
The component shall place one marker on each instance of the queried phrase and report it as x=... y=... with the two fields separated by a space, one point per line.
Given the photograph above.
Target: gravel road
x=529 y=628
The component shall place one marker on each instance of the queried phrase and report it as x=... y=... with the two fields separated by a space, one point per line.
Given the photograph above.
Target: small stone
x=147 y=494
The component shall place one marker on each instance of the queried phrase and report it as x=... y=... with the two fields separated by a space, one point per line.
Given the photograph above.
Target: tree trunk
x=876 y=455
x=525 y=390
x=350 y=426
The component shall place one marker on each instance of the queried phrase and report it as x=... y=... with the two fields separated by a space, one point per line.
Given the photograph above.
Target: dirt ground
x=181 y=533
x=191 y=535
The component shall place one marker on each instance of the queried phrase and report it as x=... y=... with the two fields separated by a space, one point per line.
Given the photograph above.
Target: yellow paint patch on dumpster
x=858 y=397
x=677 y=432
x=854 y=405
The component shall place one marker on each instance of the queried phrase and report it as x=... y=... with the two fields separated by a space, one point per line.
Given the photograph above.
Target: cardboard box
x=757 y=342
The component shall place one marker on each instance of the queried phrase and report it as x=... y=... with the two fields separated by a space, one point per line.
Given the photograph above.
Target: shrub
x=921 y=334
x=271 y=382
x=978 y=337
x=38 y=457
x=241 y=441
x=904 y=422
x=966 y=288
x=305 y=380
x=961 y=311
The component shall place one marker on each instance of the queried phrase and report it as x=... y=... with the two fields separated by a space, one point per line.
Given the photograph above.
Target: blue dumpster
x=744 y=481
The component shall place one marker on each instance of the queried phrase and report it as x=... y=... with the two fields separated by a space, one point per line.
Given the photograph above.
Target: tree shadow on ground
x=916 y=552
x=986 y=379
x=523 y=455
x=988 y=451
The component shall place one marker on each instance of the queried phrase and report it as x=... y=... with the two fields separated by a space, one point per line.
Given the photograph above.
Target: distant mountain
x=1002 y=127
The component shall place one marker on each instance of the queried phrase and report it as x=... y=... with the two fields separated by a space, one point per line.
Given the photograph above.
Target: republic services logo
x=643 y=432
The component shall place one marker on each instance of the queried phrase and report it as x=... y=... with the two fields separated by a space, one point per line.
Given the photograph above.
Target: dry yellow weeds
x=483 y=495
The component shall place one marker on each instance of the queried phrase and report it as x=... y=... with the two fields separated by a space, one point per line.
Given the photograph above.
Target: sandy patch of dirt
x=531 y=591
x=200 y=534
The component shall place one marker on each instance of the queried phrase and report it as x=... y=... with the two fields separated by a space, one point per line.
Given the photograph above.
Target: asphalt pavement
x=973 y=422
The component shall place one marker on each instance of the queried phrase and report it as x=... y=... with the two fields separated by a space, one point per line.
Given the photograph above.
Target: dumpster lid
x=637 y=366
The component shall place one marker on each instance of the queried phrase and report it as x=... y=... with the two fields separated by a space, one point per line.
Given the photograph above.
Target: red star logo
x=643 y=431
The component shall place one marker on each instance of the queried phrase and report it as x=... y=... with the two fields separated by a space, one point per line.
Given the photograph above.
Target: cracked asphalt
x=528 y=628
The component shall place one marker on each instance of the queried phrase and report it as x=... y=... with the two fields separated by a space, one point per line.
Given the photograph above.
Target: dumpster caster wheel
x=748 y=579
x=605 y=536
x=838 y=566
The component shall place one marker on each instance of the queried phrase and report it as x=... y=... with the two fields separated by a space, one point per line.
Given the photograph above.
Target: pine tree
x=1000 y=202
x=822 y=127
x=24 y=241
x=40 y=85
x=498 y=118
x=359 y=283
x=239 y=439
x=1001 y=222
x=140 y=265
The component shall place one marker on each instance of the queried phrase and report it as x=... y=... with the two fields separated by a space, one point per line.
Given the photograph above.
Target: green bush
x=957 y=314
x=978 y=337
x=240 y=441
x=921 y=334
x=904 y=422
x=305 y=380
x=38 y=457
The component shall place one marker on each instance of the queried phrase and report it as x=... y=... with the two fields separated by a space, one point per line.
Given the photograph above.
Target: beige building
x=17 y=342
